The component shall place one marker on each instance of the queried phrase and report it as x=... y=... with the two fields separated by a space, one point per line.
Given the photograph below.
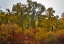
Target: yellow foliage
x=59 y=32
x=18 y=30
x=51 y=37
x=40 y=34
x=41 y=29
x=36 y=23
x=8 y=28
x=5 y=34
x=28 y=32
x=50 y=33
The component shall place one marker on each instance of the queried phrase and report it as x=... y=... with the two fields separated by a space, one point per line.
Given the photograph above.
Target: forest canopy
x=26 y=24
x=30 y=15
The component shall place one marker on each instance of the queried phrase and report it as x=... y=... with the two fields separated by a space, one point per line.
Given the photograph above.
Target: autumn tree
x=32 y=9
x=3 y=18
x=51 y=19
x=60 y=22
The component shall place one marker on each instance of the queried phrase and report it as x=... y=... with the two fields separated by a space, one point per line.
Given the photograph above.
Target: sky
x=56 y=4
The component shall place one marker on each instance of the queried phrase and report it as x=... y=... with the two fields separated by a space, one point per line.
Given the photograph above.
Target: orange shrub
x=59 y=32
x=40 y=34
x=28 y=32
x=51 y=38
x=7 y=29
